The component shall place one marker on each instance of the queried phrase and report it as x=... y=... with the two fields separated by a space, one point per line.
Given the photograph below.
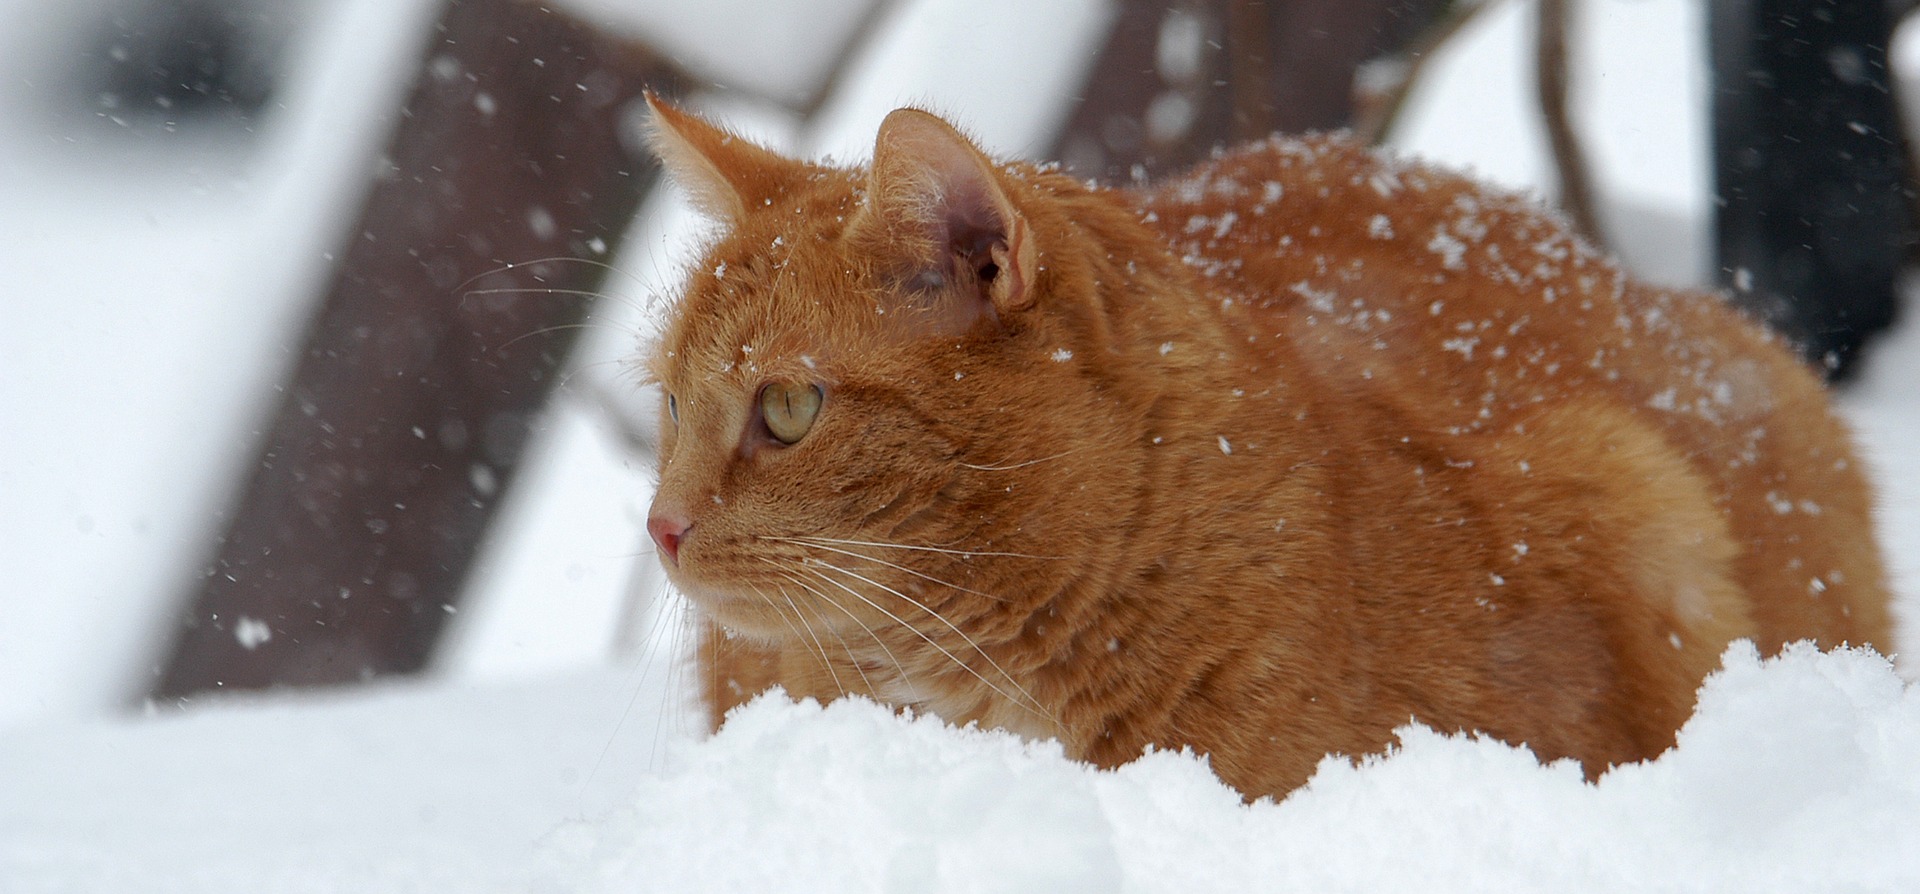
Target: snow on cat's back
x=1484 y=309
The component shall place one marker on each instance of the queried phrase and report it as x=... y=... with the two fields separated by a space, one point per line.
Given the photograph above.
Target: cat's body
x=1267 y=461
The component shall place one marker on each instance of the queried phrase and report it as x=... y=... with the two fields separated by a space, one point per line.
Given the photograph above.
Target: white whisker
x=819 y=650
x=536 y=290
x=1021 y=465
x=929 y=549
x=662 y=615
x=800 y=582
x=844 y=646
x=590 y=294
x=826 y=660
x=897 y=567
x=549 y=330
x=680 y=632
x=950 y=626
x=929 y=641
x=554 y=259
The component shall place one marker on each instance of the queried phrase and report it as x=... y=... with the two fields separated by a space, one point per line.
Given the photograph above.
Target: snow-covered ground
x=155 y=283
x=1802 y=774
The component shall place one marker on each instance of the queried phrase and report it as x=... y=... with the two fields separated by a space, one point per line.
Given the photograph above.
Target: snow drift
x=1797 y=773
x=1800 y=773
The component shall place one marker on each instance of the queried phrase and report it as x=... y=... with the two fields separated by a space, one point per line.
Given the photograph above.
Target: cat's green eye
x=789 y=408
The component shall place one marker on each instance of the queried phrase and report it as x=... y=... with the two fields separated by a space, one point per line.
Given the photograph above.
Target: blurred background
x=316 y=350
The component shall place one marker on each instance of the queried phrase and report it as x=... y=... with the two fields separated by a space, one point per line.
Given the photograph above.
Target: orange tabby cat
x=1264 y=461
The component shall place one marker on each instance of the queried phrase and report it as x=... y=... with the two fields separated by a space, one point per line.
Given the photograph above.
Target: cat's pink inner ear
x=723 y=174
x=929 y=179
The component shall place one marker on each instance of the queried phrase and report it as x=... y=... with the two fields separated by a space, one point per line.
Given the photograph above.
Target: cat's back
x=1383 y=268
x=1458 y=312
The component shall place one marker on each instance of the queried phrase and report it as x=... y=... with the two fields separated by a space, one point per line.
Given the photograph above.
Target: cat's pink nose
x=668 y=531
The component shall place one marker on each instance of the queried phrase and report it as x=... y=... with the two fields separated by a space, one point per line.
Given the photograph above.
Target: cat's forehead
x=774 y=296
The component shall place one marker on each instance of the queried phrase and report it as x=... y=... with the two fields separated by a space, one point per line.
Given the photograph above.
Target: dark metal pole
x=1810 y=169
x=435 y=343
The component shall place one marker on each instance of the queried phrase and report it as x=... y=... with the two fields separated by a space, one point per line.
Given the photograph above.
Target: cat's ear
x=723 y=173
x=933 y=187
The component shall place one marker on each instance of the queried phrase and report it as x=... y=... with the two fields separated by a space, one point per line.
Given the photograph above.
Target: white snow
x=252 y=633
x=1450 y=249
x=1797 y=774
x=1801 y=773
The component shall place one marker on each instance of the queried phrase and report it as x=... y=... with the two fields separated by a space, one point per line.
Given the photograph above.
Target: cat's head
x=883 y=386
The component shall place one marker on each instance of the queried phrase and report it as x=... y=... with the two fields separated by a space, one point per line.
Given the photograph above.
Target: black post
x=1810 y=169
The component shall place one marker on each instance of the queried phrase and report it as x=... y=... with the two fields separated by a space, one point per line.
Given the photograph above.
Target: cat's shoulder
x=1327 y=196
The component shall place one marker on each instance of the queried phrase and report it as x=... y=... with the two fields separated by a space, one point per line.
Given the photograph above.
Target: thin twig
x=1378 y=106
x=1576 y=182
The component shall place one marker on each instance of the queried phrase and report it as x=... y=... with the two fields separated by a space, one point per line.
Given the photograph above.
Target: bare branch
x=1576 y=182
x=1383 y=85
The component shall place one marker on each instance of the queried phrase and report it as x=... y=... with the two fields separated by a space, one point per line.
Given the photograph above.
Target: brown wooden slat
x=1285 y=65
x=407 y=413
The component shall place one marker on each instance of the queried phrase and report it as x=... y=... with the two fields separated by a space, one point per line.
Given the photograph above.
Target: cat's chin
x=744 y=616
x=753 y=630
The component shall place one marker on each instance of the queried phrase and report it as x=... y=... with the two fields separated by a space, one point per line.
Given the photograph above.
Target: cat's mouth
x=765 y=589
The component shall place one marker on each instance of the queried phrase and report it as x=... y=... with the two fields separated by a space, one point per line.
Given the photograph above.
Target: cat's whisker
x=554 y=259
x=801 y=582
x=593 y=294
x=594 y=367
x=822 y=596
x=540 y=278
x=942 y=619
x=777 y=612
x=870 y=692
x=1035 y=707
x=819 y=650
x=897 y=567
x=682 y=633
x=547 y=330
x=537 y=290
x=673 y=616
x=1006 y=467
x=814 y=541
x=826 y=660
